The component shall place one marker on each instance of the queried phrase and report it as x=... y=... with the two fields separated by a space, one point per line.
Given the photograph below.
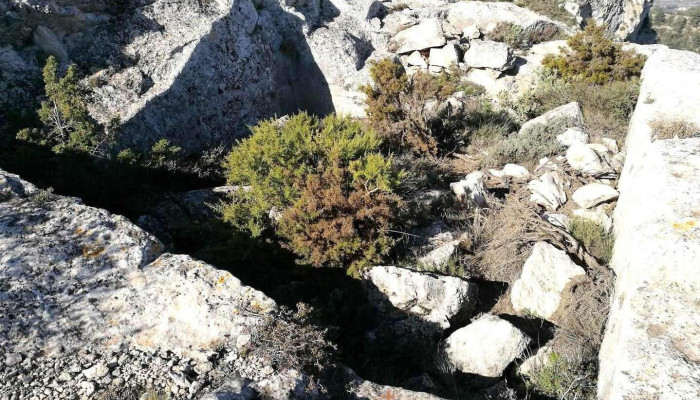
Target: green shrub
x=606 y=108
x=527 y=148
x=594 y=238
x=516 y=37
x=331 y=188
x=67 y=125
x=563 y=377
x=593 y=58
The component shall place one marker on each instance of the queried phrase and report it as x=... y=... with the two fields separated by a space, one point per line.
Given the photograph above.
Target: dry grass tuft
x=674 y=129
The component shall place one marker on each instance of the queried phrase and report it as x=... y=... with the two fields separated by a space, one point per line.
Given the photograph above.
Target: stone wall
x=651 y=348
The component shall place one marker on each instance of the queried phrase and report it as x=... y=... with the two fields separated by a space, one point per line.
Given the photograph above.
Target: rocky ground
x=93 y=305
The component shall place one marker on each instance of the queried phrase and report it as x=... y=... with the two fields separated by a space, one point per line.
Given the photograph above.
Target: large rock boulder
x=545 y=275
x=489 y=54
x=486 y=16
x=651 y=347
x=485 y=347
x=434 y=298
x=79 y=283
x=425 y=35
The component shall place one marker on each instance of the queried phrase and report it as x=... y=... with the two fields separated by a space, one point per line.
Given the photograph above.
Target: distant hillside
x=676 y=4
x=677 y=29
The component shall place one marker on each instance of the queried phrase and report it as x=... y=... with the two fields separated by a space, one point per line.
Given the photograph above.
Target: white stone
x=516 y=171
x=611 y=144
x=444 y=57
x=582 y=157
x=471 y=189
x=12 y=359
x=489 y=54
x=485 y=347
x=564 y=117
x=437 y=258
x=539 y=360
x=88 y=387
x=97 y=371
x=597 y=216
x=599 y=148
x=548 y=190
x=497 y=173
x=559 y=220
x=416 y=59
x=434 y=298
x=471 y=32
x=423 y=36
x=545 y=275
x=573 y=135
x=593 y=194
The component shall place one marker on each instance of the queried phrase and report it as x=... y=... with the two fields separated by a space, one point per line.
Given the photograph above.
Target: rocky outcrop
x=651 y=347
x=106 y=284
x=485 y=16
x=80 y=286
x=624 y=18
x=434 y=298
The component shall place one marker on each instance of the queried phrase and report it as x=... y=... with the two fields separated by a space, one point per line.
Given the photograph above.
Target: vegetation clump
x=528 y=148
x=516 y=37
x=674 y=129
x=323 y=184
x=594 y=238
x=594 y=58
x=404 y=111
x=66 y=123
x=606 y=108
x=678 y=29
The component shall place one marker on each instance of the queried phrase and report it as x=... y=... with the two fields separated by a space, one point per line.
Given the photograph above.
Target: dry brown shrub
x=505 y=241
x=664 y=129
x=289 y=340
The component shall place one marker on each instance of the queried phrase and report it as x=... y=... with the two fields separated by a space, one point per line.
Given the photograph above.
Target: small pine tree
x=67 y=125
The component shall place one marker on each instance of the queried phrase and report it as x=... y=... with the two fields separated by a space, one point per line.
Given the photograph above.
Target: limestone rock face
x=485 y=347
x=489 y=54
x=562 y=118
x=434 y=298
x=624 y=18
x=81 y=277
x=651 y=347
x=545 y=275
